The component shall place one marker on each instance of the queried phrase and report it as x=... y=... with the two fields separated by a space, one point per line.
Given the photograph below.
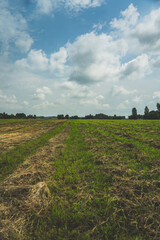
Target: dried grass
x=26 y=191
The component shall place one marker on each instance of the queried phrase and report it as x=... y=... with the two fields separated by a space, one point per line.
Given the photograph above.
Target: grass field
x=80 y=179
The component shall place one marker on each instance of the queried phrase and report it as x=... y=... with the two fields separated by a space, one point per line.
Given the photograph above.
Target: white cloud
x=58 y=60
x=36 y=60
x=98 y=26
x=45 y=6
x=94 y=102
x=147 y=32
x=136 y=68
x=128 y=20
x=7 y=99
x=80 y=4
x=41 y=93
x=13 y=29
x=119 y=90
x=94 y=58
x=100 y=97
x=156 y=95
x=48 y=6
x=83 y=73
x=25 y=42
x=76 y=91
x=142 y=34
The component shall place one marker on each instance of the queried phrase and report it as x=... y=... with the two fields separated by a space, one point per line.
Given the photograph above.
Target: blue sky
x=79 y=56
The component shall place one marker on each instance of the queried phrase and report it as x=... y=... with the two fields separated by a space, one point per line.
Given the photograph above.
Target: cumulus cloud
x=94 y=58
x=129 y=18
x=148 y=32
x=58 y=60
x=89 y=67
x=41 y=93
x=13 y=29
x=76 y=91
x=135 y=68
x=36 y=60
x=143 y=34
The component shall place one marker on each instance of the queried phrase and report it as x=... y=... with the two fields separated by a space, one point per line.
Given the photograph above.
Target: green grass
x=10 y=160
x=93 y=199
x=105 y=183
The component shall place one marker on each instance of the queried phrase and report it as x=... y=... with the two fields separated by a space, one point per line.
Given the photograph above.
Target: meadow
x=80 y=179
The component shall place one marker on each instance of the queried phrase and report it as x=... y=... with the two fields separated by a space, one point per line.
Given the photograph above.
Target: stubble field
x=80 y=179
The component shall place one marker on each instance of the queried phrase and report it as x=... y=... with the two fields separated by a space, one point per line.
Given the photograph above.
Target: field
x=80 y=179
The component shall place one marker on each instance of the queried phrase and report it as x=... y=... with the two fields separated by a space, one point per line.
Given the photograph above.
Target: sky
x=79 y=57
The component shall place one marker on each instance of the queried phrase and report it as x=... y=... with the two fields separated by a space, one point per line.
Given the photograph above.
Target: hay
x=26 y=191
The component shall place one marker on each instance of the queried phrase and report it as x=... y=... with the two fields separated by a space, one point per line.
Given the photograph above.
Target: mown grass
x=97 y=191
x=11 y=159
x=105 y=183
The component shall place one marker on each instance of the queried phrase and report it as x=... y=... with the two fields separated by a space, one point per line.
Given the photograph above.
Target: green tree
x=66 y=116
x=146 y=112
x=134 y=113
x=158 y=107
x=60 y=116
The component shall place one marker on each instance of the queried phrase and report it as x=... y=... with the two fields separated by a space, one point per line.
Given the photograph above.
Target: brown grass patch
x=26 y=191
x=14 y=135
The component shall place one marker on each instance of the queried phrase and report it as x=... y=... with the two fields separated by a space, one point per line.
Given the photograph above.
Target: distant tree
x=134 y=113
x=101 y=116
x=154 y=115
x=21 y=115
x=60 y=116
x=146 y=112
x=74 y=117
x=67 y=116
x=12 y=116
x=5 y=116
x=158 y=107
x=30 y=116
x=89 y=116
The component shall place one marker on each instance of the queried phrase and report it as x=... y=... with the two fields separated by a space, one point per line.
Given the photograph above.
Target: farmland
x=80 y=179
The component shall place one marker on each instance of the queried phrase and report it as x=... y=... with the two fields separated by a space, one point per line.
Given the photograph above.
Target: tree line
x=90 y=116
x=147 y=114
x=16 y=116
